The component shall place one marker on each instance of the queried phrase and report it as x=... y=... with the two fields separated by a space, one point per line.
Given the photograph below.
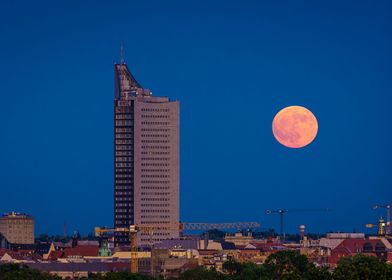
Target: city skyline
x=233 y=68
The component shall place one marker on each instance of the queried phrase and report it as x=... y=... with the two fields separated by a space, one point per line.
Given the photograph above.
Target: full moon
x=295 y=127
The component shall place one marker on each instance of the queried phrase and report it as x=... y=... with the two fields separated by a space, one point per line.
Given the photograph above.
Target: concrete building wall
x=157 y=168
x=17 y=228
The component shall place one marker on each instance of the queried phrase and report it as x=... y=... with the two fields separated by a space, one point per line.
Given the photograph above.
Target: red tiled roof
x=249 y=251
x=351 y=247
x=82 y=250
x=207 y=252
x=3 y=251
x=389 y=256
x=15 y=255
x=54 y=255
x=265 y=246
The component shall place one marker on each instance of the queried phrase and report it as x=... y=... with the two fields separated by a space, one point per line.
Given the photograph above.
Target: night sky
x=233 y=65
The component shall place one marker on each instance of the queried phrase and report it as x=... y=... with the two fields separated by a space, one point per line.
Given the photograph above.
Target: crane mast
x=283 y=212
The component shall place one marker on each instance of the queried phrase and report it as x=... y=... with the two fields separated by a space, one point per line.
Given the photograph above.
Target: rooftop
x=16 y=215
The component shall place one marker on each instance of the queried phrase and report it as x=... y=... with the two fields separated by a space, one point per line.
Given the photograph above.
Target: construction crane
x=388 y=208
x=208 y=226
x=132 y=230
x=283 y=212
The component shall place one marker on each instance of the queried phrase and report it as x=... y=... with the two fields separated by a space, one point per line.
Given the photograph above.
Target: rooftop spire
x=121 y=54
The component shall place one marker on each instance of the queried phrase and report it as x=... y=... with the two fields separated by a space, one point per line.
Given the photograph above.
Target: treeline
x=44 y=238
x=291 y=265
x=284 y=265
x=16 y=272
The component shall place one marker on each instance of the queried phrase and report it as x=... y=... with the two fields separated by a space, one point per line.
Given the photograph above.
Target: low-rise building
x=239 y=239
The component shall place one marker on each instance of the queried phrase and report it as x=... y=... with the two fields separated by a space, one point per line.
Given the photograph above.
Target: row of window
x=156 y=158
x=124 y=148
x=124 y=153
x=123 y=110
x=124 y=141
x=155 y=182
x=156 y=141
x=123 y=217
x=124 y=129
x=156 y=123
x=127 y=175
x=124 y=188
x=155 y=187
x=156 y=129
x=124 y=204
x=124 y=135
x=124 y=181
x=155 y=164
x=124 y=159
x=155 y=216
x=155 y=170
x=155 y=176
x=156 y=135
x=122 y=210
x=155 y=153
x=125 y=103
x=155 y=233
x=155 y=110
x=155 y=211
x=155 y=193
x=124 y=116
x=155 y=239
x=123 y=193
x=124 y=122
x=122 y=223
x=156 y=205
x=156 y=147
x=156 y=223
x=124 y=165
x=123 y=198
x=155 y=199
x=156 y=116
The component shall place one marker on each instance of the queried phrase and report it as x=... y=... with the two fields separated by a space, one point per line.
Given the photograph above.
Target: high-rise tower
x=146 y=159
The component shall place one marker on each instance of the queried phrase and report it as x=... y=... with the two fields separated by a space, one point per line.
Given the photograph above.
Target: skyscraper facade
x=146 y=160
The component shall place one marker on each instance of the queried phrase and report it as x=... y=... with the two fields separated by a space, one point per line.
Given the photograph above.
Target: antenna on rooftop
x=122 y=53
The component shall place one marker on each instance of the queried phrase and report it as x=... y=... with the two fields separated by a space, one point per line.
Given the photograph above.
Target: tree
x=291 y=265
x=21 y=272
x=124 y=275
x=249 y=271
x=317 y=273
x=201 y=273
x=362 y=267
x=389 y=271
x=232 y=267
x=286 y=263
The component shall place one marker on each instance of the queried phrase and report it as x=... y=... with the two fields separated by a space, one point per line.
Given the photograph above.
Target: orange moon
x=295 y=127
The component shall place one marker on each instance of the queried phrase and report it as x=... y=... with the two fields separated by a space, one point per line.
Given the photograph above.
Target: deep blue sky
x=233 y=65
